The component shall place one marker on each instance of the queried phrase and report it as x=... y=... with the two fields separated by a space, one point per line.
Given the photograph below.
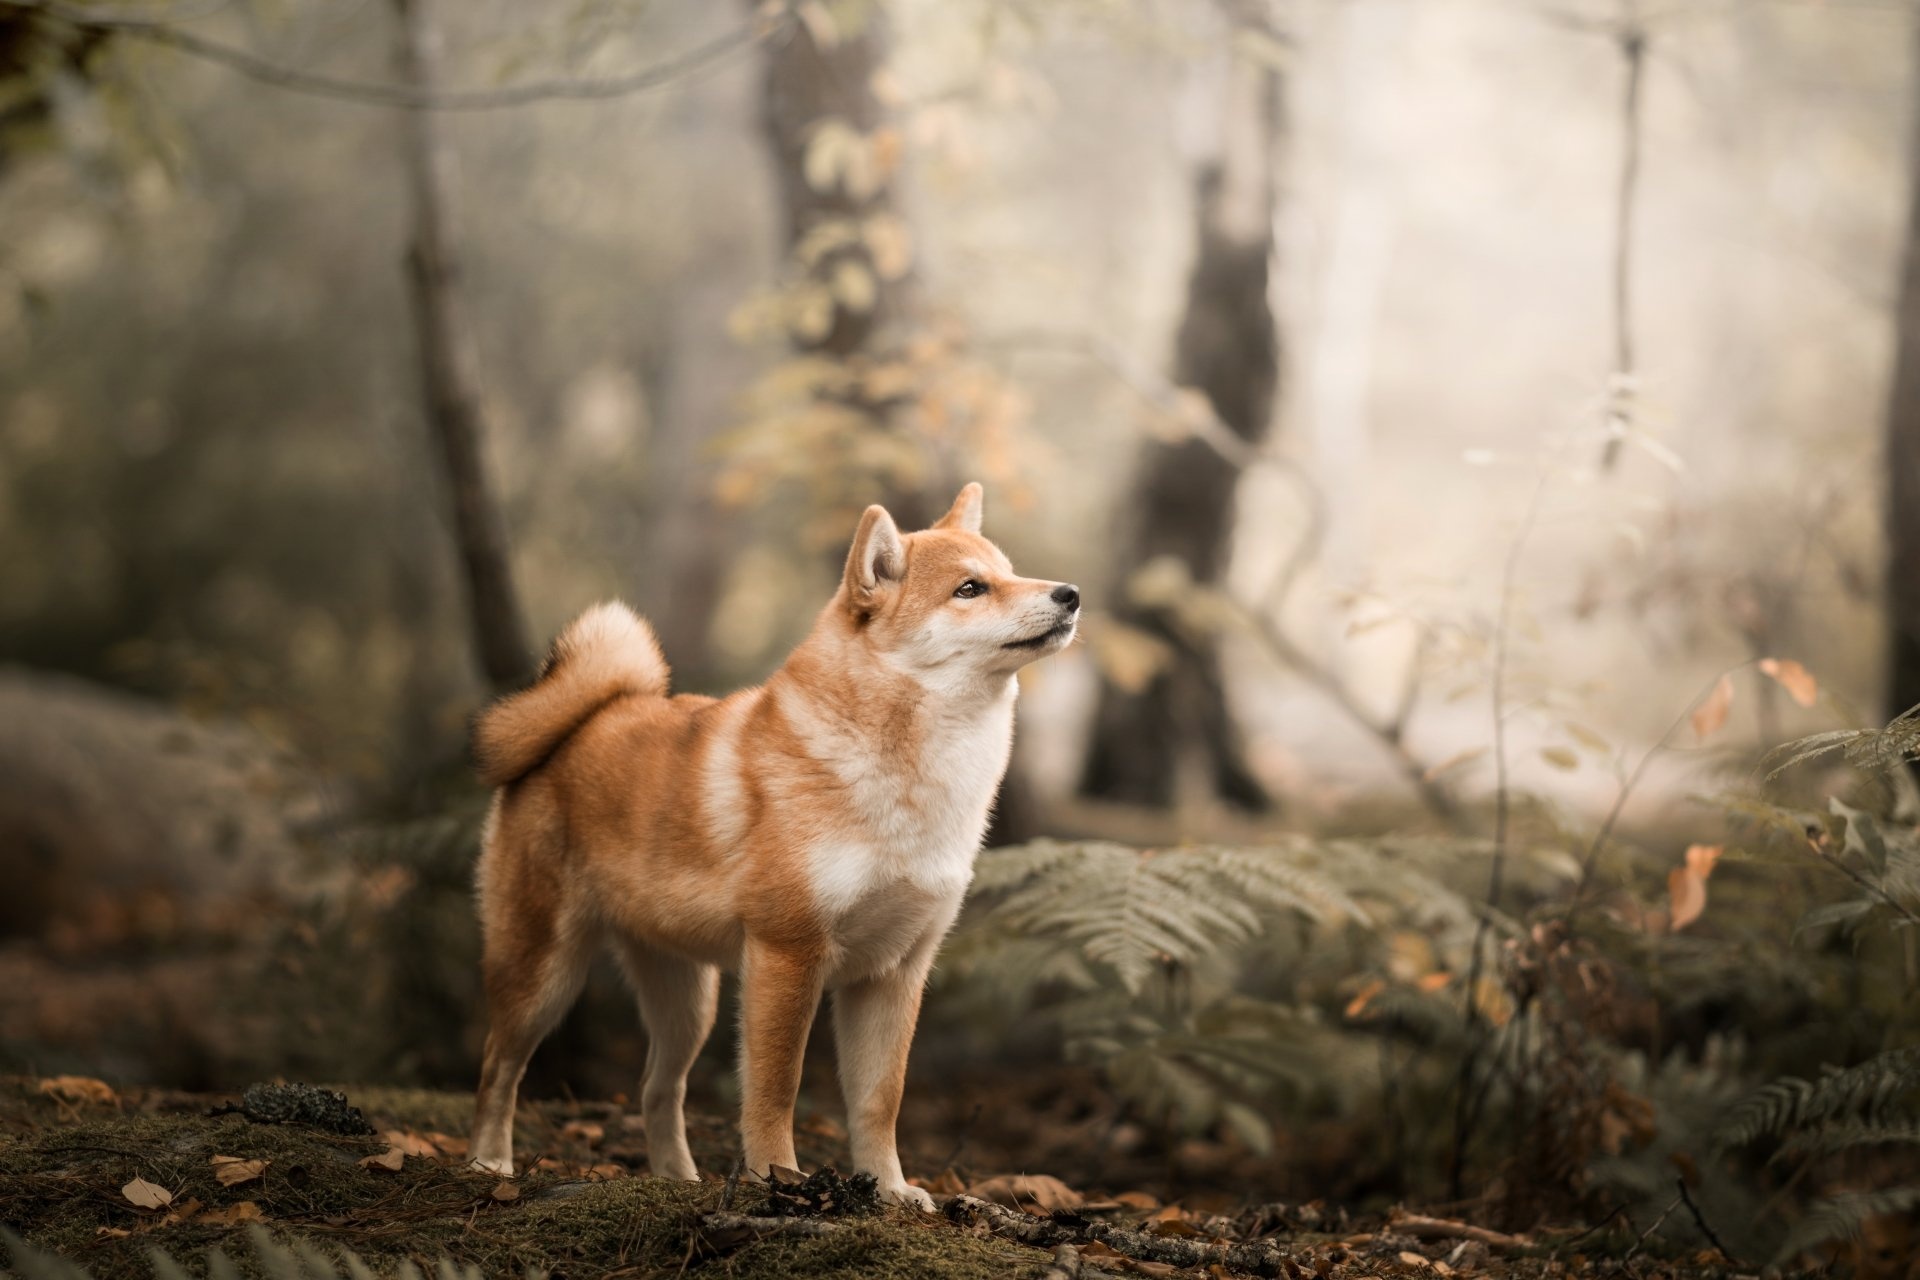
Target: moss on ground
x=62 y=1167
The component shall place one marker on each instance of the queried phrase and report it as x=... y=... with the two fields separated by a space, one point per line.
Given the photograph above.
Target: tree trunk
x=1183 y=498
x=818 y=79
x=1903 y=460
x=449 y=377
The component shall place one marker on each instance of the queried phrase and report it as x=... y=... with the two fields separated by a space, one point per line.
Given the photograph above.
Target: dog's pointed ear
x=965 y=512
x=878 y=559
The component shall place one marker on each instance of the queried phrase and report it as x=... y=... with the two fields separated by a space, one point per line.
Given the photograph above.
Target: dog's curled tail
x=607 y=652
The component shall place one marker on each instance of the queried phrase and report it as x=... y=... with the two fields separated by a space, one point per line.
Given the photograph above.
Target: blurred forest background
x=1486 y=431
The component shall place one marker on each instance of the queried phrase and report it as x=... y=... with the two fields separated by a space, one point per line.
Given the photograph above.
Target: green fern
x=1840 y=1218
x=1130 y=911
x=1872 y=1093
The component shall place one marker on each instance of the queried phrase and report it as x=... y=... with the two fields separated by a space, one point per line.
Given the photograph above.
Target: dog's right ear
x=877 y=561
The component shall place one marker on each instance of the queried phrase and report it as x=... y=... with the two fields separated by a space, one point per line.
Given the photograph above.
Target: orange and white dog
x=816 y=833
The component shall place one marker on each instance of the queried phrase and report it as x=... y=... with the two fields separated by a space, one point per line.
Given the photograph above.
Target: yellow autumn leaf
x=1794 y=678
x=1712 y=711
x=1560 y=757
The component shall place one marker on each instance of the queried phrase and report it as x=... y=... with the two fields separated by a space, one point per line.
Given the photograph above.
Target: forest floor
x=103 y=1179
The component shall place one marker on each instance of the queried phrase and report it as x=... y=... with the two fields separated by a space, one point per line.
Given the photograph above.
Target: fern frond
x=1420 y=1016
x=1840 y=1218
x=1848 y=1136
x=1873 y=750
x=1129 y=911
x=1864 y=1093
x=29 y=1263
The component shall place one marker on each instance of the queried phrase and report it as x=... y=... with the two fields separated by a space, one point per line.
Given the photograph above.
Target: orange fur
x=815 y=833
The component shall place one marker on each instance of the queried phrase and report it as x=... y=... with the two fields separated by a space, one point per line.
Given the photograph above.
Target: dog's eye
x=970 y=588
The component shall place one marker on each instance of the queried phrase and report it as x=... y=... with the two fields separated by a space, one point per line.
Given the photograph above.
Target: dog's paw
x=907 y=1196
x=503 y=1168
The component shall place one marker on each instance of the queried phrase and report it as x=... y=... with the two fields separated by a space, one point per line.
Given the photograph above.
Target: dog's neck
x=846 y=681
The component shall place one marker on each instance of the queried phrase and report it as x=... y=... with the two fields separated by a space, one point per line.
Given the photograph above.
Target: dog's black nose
x=1067 y=594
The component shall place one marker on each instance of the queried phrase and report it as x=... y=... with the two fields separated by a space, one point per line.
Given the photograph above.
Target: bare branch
x=389 y=94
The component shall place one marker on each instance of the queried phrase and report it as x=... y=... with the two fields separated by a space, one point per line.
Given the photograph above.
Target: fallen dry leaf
x=604 y=1172
x=78 y=1089
x=410 y=1143
x=1137 y=1200
x=1712 y=711
x=112 y=1233
x=233 y=1215
x=1412 y=1259
x=146 y=1195
x=1028 y=1190
x=184 y=1211
x=505 y=1191
x=1794 y=678
x=947 y=1184
x=448 y=1144
x=232 y=1170
x=583 y=1131
x=392 y=1160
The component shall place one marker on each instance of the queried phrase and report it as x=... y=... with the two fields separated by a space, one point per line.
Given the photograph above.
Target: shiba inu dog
x=815 y=834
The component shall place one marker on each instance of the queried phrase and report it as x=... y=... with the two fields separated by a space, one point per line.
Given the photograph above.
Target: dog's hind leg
x=529 y=989
x=678 y=998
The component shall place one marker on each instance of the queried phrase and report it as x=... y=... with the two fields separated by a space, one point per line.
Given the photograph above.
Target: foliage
x=1861 y=1122
x=1215 y=986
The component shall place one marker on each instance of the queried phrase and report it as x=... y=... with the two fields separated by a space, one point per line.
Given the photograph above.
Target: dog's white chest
x=900 y=861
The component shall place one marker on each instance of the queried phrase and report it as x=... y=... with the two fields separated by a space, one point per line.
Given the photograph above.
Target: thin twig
x=387 y=94
x=1831 y=859
x=1700 y=1220
x=1652 y=1227
x=1592 y=856
x=1502 y=804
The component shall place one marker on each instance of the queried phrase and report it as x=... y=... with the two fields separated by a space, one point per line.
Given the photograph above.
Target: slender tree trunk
x=1183 y=497
x=818 y=81
x=449 y=376
x=1903 y=457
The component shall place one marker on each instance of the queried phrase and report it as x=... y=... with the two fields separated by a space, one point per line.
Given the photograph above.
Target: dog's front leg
x=873 y=1024
x=779 y=991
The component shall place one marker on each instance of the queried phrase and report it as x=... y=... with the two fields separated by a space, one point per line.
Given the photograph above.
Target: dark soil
x=582 y=1210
